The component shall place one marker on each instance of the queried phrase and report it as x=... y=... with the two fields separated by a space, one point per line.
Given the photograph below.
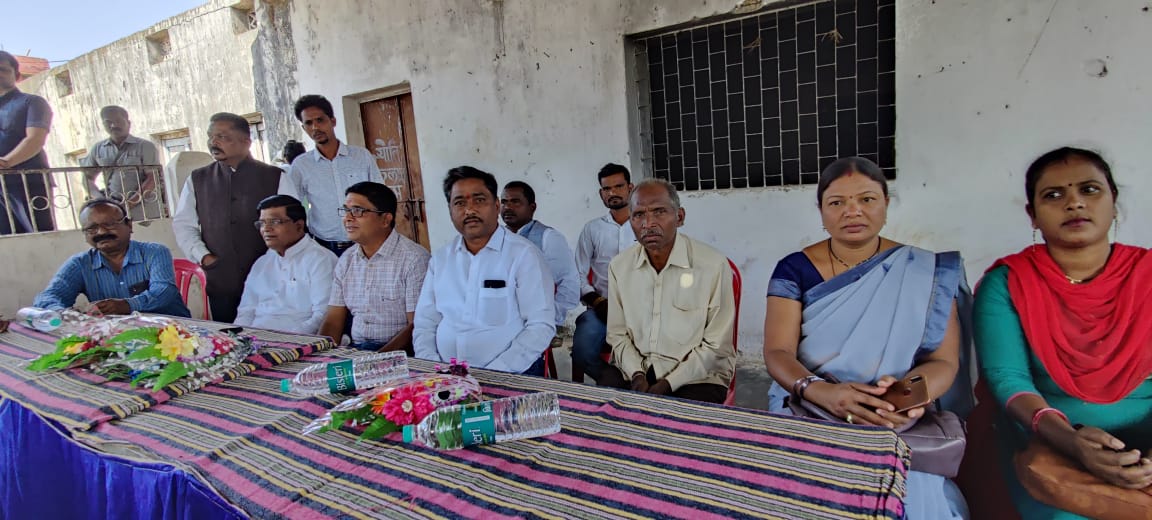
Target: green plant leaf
x=45 y=362
x=379 y=428
x=66 y=342
x=149 y=334
x=143 y=376
x=144 y=353
x=173 y=371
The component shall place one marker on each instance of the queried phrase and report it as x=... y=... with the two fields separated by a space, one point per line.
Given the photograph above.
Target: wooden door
x=390 y=134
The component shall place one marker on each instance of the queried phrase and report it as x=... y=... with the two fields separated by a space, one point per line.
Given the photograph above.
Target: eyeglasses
x=260 y=224
x=357 y=211
x=96 y=228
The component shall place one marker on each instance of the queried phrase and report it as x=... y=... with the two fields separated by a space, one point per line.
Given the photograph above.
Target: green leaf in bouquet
x=144 y=353
x=149 y=334
x=379 y=428
x=173 y=371
x=142 y=376
x=46 y=362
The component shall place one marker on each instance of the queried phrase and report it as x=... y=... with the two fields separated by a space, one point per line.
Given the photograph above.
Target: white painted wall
x=537 y=91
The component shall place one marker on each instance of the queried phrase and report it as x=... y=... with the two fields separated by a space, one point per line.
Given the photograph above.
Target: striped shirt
x=321 y=182
x=381 y=290
x=147 y=280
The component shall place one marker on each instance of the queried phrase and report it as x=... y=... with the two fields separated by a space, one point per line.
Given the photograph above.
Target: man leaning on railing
x=135 y=185
x=24 y=123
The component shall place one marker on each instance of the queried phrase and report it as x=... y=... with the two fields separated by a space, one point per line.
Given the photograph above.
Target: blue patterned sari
x=880 y=318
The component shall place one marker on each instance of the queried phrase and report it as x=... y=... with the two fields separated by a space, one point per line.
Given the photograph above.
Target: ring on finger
x=848 y=418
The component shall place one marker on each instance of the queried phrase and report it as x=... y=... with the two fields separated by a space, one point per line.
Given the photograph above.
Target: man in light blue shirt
x=518 y=210
x=118 y=275
x=325 y=173
x=488 y=296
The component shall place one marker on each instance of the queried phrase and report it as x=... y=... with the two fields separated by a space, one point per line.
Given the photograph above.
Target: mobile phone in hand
x=908 y=393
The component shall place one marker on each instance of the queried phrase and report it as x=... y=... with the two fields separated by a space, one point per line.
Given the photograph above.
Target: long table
x=235 y=448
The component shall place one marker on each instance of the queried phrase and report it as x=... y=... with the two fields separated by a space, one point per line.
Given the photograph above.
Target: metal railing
x=49 y=199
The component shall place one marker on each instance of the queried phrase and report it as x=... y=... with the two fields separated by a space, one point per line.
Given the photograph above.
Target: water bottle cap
x=55 y=322
x=408 y=431
x=285 y=385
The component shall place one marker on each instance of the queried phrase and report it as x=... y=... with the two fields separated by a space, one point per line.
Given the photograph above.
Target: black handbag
x=937 y=438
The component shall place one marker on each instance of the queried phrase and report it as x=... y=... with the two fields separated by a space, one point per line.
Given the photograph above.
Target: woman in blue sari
x=849 y=316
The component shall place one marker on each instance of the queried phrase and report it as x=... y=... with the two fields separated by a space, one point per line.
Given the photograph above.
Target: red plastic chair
x=186 y=270
x=737 y=284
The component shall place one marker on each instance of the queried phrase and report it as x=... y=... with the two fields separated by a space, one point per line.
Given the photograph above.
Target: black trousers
x=706 y=392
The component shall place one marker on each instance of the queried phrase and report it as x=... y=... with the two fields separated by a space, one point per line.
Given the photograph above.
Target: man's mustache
x=215 y=149
x=100 y=238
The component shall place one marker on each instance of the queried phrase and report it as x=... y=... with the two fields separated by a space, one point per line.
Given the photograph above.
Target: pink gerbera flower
x=407 y=405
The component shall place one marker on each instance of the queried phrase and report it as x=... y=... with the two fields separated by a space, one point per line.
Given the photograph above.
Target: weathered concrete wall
x=208 y=70
x=274 y=70
x=537 y=91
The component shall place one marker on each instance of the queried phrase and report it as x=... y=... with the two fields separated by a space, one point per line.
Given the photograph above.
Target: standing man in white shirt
x=322 y=175
x=288 y=288
x=518 y=210
x=601 y=239
x=377 y=282
x=488 y=296
x=213 y=220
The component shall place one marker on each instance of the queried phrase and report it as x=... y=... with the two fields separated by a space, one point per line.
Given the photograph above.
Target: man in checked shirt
x=377 y=281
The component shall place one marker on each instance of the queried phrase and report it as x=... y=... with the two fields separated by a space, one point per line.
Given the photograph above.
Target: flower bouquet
x=389 y=408
x=151 y=350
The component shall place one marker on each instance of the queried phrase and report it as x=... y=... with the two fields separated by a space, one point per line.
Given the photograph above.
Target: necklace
x=879 y=242
x=1074 y=281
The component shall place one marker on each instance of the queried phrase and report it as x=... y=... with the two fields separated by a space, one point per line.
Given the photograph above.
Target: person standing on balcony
x=671 y=308
x=118 y=275
x=322 y=175
x=137 y=187
x=25 y=120
x=602 y=239
x=213 y=220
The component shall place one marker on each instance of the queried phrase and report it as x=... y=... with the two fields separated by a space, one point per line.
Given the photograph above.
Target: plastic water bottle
x=501 y=420
x=348 y=375
x=43 y=320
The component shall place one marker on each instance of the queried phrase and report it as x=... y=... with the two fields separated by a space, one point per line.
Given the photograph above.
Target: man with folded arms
x=488 y=297
x=288 y=288
x=670 y=306
x=118 y=275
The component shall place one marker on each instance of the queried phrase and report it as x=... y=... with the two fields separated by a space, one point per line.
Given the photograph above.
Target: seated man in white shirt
x=488 y=296
x=670 y=306
x=288 y=287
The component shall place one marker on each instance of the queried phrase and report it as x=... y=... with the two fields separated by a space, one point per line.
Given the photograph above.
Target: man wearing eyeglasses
x=288 y=288
x=118 y=275
x=213 y=219
x=378 y=280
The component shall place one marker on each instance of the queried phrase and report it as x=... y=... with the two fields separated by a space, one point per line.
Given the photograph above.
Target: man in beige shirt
x=670 y=306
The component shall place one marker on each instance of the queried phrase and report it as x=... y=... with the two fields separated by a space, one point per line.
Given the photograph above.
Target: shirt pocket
x=495 y=305
x=392 y=296
x=686 y=316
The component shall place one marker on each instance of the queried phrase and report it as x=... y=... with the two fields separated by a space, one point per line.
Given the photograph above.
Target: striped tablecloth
x=79 y=399
x=619 y=455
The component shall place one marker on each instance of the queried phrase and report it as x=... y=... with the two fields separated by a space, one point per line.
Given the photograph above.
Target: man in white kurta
x=288 y=288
